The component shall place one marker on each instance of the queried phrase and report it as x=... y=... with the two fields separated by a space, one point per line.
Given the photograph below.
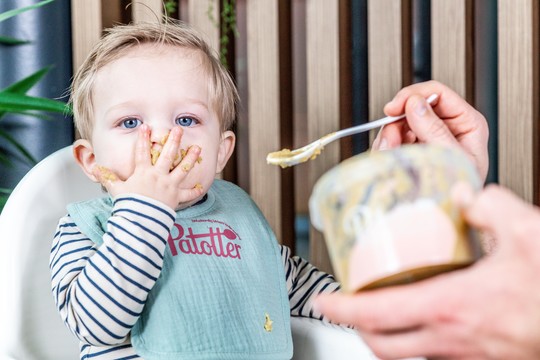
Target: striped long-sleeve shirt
x=100 y=291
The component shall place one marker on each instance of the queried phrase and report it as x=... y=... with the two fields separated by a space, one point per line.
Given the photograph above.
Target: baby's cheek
x=202 y=173
x=122 y=167
x=125 y=171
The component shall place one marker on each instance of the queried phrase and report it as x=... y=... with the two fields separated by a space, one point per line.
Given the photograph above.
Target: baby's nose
x=159 y=136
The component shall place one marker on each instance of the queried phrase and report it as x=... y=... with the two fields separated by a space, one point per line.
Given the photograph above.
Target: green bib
x=221 y=293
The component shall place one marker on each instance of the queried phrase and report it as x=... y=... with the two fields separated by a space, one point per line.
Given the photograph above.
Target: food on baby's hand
x=155 y=152
x=186 y=167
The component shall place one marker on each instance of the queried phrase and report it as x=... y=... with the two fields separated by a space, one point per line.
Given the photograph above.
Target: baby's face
x=162 y=87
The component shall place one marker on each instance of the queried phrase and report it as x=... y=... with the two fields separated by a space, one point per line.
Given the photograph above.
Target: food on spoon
x=283 y=157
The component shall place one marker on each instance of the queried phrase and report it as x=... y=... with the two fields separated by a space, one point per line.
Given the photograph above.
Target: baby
x=173 y=263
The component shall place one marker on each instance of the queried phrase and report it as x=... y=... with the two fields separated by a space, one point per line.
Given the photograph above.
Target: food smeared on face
x=155 y=152
x=105 y=174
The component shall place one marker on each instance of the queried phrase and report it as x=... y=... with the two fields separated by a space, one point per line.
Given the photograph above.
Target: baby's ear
x=226 y=148
x=84 y=155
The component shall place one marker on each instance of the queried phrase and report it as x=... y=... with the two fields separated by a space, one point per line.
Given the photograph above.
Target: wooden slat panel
x=208 y=25
x=199 y=18
x=86 y=28
x=323 y=90
x=451 y=45
x=265 y=112
x=112 y=13
x=518 y=96
x=386 y=59
x=147 y=10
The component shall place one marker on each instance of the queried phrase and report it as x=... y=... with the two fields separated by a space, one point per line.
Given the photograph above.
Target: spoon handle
x=364 y=127
x=369 y=125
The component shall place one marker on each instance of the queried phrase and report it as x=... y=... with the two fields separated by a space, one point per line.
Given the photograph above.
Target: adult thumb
x=499 y=212
x=426 y=125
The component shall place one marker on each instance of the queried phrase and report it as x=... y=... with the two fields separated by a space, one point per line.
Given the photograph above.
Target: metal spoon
x=286 y=157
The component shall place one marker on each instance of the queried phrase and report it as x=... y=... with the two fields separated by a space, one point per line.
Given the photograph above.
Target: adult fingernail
x=421 y=108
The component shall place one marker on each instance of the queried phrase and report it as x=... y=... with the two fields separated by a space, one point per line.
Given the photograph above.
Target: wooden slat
x=323 y=93
x=147 y=10
x=112 y=13
x=199 y=18
x=388 y=67
x=207 y=24
x=86 y=28
x=519 y=97
x=266 y=119
x=451 y=45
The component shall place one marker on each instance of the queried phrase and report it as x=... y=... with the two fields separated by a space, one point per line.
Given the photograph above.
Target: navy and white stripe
x=100 y=291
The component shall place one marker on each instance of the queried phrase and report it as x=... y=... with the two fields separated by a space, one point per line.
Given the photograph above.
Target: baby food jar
x=388 y=219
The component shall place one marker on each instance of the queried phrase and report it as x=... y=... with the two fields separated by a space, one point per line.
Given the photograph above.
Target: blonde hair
x=223 y=92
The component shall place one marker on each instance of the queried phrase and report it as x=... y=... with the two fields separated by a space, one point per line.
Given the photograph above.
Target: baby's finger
x=170 y=150
x=142 y=150
x=191 y=157
x=187 y=195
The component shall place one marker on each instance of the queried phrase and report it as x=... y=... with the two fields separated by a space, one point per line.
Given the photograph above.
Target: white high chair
x=31 y=328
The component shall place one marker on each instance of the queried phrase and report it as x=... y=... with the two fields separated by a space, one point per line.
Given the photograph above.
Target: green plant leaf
x=36 y=115
x=18 y=146
x=10 y=102
x=22 y=86
x=4 y=159
x=6 y=40
x=3 y=201
x=10 y=13
x=5 y=191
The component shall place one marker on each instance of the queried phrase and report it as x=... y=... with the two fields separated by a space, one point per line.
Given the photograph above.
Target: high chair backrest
x=30 y=327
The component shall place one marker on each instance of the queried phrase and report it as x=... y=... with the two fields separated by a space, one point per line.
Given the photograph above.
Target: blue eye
x=186 y=121
x=130 y=123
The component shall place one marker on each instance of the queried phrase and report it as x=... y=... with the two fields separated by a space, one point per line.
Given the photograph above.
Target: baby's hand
x=157 y=181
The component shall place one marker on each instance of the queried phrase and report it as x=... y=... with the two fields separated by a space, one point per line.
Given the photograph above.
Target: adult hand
x=490 y=310
x=449 y=121
x=161 y=181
